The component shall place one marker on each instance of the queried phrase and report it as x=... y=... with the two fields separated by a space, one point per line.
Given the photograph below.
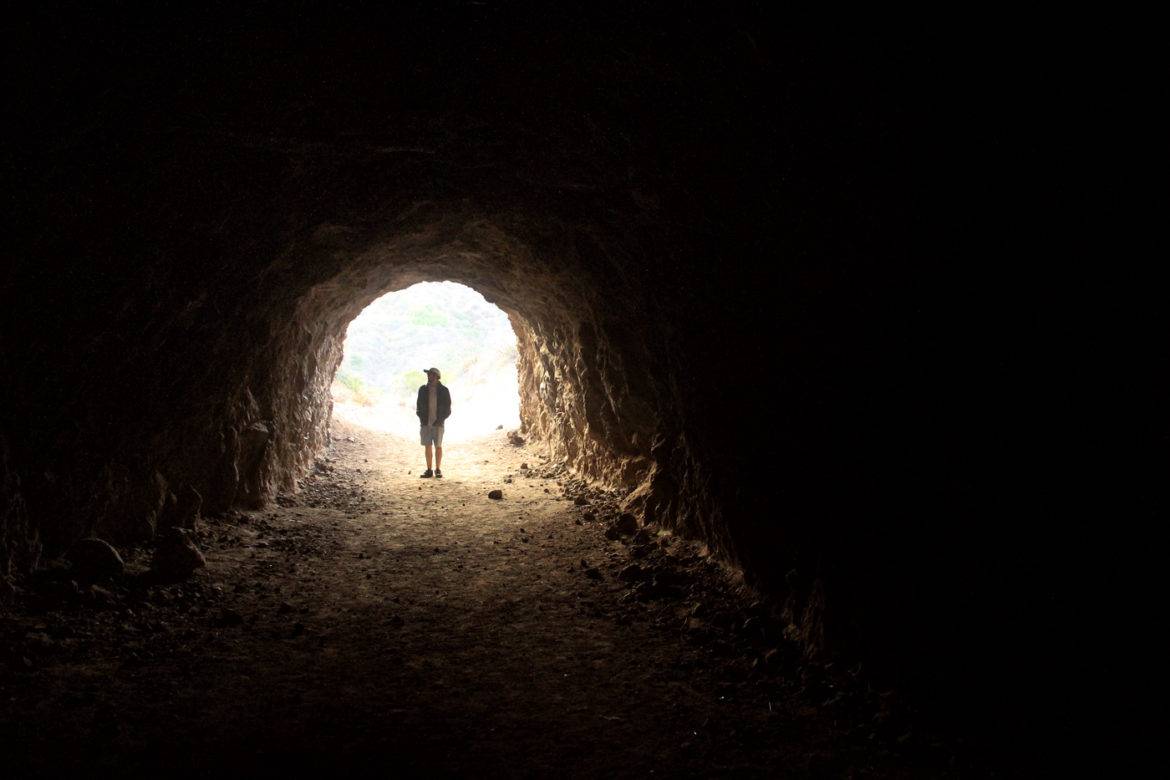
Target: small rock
x=626 y=524
x=515 y=439
x=632 y=573
x=176 y=557
x=499 y=427
x=674 y=578
x=496 y=495
x=589 y=517
x=94 y=560
x=39 y=643
x=581 y=501
x=98 y=596
x=524 y=467
x=229 y=617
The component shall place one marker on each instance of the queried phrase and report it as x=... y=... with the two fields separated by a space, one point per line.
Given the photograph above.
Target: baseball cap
x=434 y=371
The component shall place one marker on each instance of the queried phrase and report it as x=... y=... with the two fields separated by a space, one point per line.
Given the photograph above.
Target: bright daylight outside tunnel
x=733 y=456
x=398 y=337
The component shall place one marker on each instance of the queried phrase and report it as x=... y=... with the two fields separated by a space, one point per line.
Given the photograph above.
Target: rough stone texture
x=19 y=540
x=182 y=511
x=177 y=556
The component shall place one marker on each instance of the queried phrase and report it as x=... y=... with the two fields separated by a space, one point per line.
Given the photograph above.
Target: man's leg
x=438 y=457
x=429 y=456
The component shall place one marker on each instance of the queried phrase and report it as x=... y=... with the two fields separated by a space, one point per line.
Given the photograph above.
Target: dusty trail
x=378 y=622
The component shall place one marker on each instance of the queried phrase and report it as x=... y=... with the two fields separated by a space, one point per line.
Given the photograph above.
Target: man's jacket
x=442 y=404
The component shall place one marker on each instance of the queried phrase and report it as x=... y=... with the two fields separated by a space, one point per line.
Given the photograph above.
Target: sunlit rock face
x=699 y=232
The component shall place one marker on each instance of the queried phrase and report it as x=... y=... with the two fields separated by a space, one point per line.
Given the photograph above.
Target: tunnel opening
x=446 y=325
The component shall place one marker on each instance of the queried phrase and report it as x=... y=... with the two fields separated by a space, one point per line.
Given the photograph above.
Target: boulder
x=496 y=495
x=95 y=560
x=188 y=507
x=624 y=525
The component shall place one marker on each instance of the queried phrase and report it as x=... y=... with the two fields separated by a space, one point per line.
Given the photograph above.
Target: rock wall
x=19 y=541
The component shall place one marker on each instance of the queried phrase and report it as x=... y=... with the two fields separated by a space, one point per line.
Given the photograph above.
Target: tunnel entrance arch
x=441 y=324
x=582 y=338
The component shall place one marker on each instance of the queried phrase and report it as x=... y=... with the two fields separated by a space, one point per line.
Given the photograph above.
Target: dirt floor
x=380 y=623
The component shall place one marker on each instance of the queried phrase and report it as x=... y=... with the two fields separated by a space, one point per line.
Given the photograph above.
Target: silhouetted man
x=434 y=406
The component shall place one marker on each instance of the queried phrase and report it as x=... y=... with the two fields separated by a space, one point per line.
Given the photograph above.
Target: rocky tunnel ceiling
x=700 y=227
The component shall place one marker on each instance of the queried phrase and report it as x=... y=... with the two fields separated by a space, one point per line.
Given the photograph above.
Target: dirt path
x=385 y=623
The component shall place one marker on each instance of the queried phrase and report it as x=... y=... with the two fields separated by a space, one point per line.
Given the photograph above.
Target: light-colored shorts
x=431 y=433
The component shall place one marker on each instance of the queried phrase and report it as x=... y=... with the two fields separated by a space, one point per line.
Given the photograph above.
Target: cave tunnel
x=706 y=233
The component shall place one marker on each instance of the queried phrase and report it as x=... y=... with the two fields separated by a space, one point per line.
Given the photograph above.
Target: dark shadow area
x=754 y=279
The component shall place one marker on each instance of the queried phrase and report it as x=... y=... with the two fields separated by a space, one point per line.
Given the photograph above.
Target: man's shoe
x=426 y=474
x=438 y=474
